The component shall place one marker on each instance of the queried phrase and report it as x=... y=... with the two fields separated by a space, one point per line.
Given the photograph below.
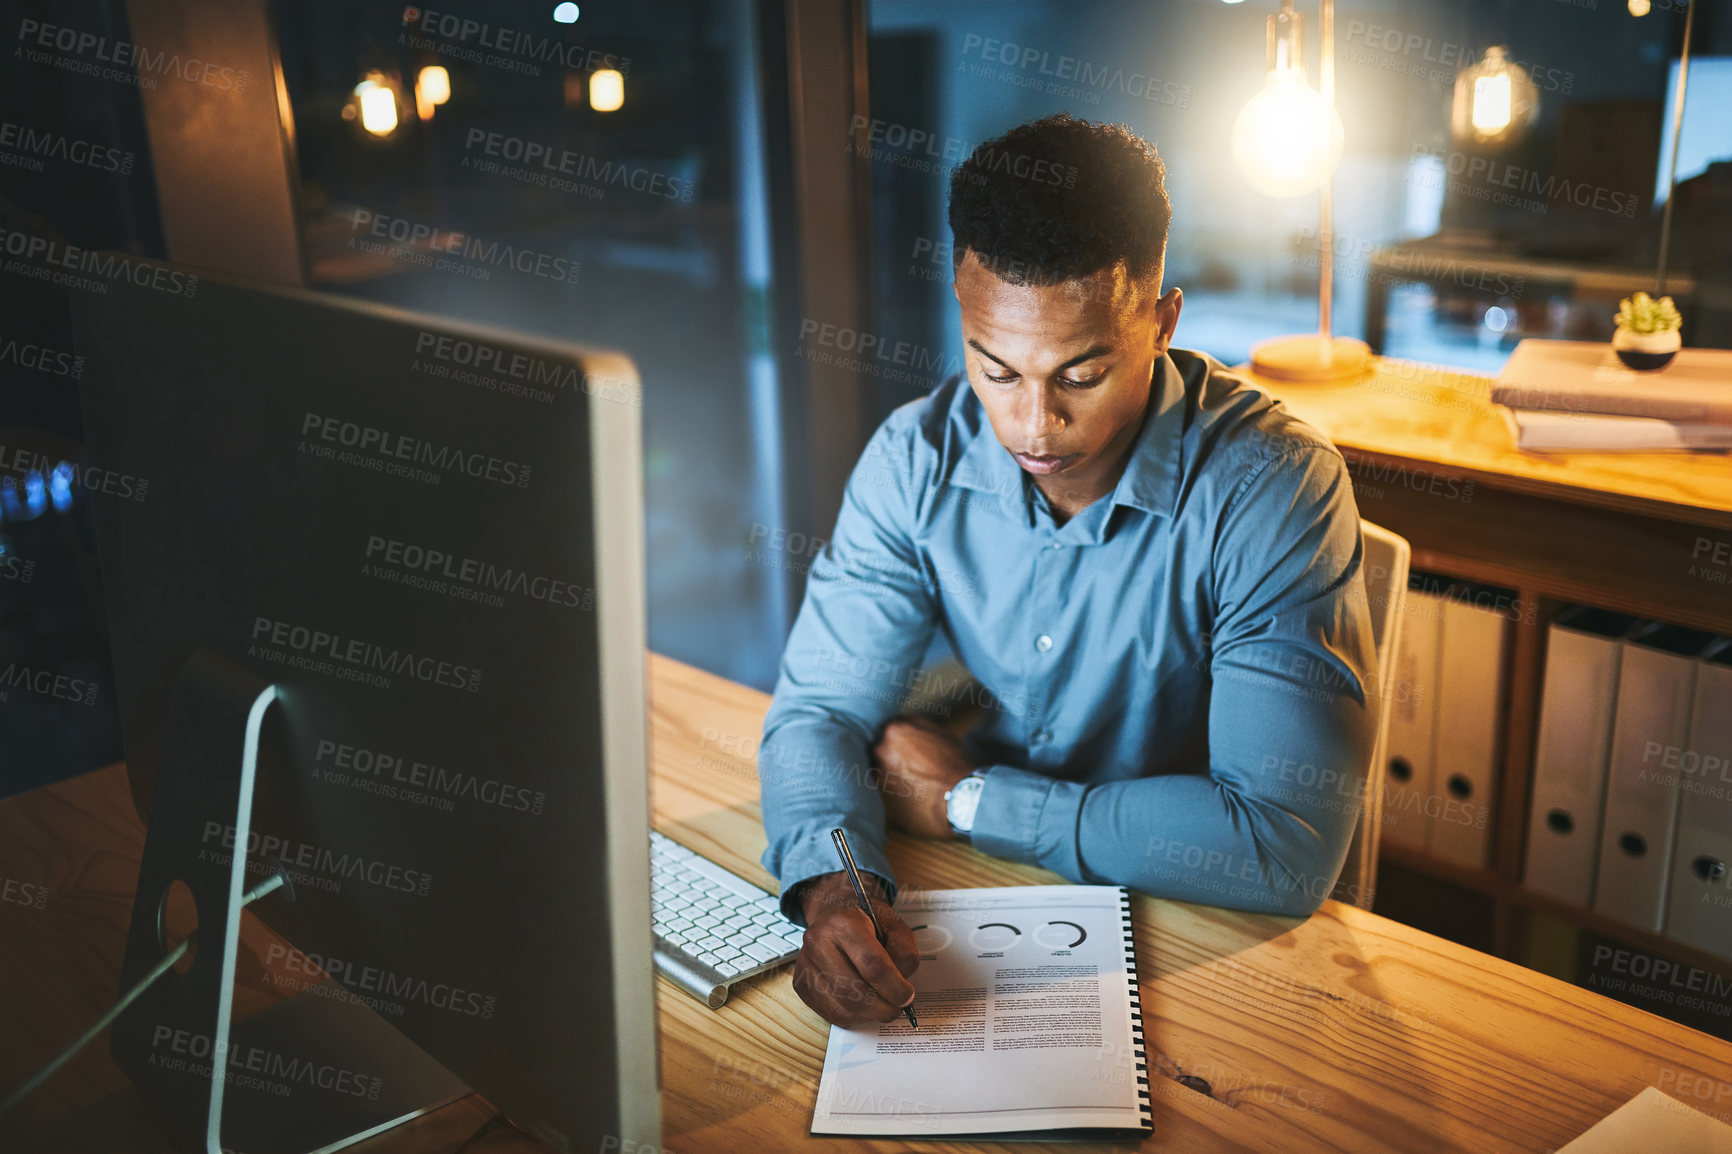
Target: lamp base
x=1311 y=358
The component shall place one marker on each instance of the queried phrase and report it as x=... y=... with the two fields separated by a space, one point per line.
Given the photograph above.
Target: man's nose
x=1044 y=418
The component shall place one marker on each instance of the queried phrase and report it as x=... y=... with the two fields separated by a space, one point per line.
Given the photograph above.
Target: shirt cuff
x=804 y=863
x=1029 y=817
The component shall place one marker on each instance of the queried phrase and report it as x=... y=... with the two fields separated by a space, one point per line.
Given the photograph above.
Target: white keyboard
x=713 y=928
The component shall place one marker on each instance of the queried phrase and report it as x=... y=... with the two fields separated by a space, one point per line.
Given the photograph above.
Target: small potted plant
x=1647 y=334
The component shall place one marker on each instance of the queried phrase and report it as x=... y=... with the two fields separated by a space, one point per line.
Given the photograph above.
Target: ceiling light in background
x=606 y=90
x=565 y=13
x=432 y=88
x=1495 y=100
x=374 y=103
x=1639 y=7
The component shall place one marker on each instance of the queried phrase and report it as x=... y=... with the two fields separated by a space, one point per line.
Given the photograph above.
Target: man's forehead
x=1099 y=296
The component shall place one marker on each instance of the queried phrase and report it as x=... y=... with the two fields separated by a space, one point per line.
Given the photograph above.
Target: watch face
x=964 y=800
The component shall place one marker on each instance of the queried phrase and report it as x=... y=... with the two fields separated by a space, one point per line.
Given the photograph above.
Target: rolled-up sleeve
x=854 y=652
x=1266 y=822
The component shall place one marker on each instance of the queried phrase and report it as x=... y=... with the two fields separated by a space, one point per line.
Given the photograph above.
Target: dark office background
x=700 y=290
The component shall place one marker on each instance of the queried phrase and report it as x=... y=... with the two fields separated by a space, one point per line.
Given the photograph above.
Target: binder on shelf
x=1583 y=650
x=1469 y=702
x=1699 y=906
x=1656 y=686
x=1409 y=774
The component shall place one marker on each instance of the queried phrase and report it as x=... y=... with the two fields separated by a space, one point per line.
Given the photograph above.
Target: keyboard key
x=729 y=969
x=762 y=952
x=674 y=938
x=729 y=952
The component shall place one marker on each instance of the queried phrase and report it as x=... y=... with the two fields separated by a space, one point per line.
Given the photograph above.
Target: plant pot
x=1646 y=352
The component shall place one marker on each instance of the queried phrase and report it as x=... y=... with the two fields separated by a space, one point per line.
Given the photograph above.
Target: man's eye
x=1082 y=384
x=1001 y=380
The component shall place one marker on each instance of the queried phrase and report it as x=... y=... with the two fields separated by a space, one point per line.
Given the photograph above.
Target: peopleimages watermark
x=447 y=250
x=90 y=54
x=1660 y=979
x=30 y=895
x=36 y=146
x=47 y=683
x=512 y=373
x=547 y=165
x=926 y=151
x=497 y=46
x=1711 y=561
x=873 y=354
x=467 y=578
x=254 y=1066
x=40 y=358
x=379 y=988
x=1072 y=78
x=92 y=478
x=1393 y=50
x=317 y=867
x=68 y=265
x=1358 y=257
x=341 y=763
x=351 y=658
x=1492 y=180
x=401 y=454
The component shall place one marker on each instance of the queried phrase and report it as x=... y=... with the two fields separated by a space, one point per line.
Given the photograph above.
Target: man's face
x=1063 y=371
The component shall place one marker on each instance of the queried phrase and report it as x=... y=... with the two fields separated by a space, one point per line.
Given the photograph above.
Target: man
x=1152 y=567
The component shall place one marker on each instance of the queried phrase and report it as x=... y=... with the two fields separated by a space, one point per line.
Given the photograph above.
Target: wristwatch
x=961 y=800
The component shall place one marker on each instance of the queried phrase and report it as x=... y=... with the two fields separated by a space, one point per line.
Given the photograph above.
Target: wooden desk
x=1345 y=1032
x=1639 y=533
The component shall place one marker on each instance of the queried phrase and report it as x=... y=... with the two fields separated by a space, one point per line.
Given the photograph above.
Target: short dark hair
x=1060 y=198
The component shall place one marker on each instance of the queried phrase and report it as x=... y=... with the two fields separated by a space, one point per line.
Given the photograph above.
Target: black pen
x=841 y=840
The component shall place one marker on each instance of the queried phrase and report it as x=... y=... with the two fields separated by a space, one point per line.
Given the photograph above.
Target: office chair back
x=1385 y=564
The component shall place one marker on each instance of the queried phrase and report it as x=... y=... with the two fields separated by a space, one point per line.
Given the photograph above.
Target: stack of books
x=1577 y=395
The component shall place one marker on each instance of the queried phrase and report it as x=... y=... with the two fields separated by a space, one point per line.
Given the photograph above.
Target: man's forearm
x=814 y=776
x=1181 y=836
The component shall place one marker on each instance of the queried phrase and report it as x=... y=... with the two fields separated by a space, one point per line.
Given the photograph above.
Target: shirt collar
x=1150 y=481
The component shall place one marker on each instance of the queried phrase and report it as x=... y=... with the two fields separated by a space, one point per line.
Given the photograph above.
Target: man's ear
x=1167 y=310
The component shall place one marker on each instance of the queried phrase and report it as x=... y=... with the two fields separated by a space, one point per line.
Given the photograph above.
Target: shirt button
x=1041 y=736
x=1043 y=643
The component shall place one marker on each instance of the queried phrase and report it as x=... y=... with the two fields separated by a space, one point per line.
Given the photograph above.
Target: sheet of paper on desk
x=1653 y=1121
x=1026 y=1015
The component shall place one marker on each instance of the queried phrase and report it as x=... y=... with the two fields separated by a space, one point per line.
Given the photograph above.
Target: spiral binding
x=1139 y=1047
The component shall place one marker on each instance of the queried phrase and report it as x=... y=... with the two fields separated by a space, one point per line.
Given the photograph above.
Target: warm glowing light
x=1284 y=141
x=1639 y=7
x=606 y=90
x=1496 y=319
x=1495 y=100
x=378 y=105
x=1491 y=104
x=432 y=88
x=565 y=13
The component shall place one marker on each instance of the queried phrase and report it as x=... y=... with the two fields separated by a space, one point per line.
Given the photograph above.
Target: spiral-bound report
x=1030 y=1024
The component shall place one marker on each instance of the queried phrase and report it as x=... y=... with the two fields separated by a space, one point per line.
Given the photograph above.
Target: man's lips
x=1044 y=463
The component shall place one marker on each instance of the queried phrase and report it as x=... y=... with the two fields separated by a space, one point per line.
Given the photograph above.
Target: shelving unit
x=1432 y=460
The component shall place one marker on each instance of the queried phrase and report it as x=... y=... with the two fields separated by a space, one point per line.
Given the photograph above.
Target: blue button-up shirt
x=1176 y=679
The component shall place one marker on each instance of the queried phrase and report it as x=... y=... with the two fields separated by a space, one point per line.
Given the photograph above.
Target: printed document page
x=1025 y=1010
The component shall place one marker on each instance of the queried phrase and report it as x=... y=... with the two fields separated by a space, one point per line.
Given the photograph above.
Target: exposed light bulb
x=606 y=90
x=1282 y=141
x=378 y=105
x=1491 y=104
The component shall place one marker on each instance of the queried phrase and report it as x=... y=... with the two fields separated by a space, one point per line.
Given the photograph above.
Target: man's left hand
x=920 y=762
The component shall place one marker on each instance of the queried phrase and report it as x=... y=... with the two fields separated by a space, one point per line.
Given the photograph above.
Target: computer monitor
x=384 y=574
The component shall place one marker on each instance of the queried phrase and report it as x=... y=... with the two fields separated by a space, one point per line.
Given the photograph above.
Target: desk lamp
x=1287 y=141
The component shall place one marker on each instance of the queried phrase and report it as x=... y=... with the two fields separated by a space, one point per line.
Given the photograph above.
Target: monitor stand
x=309 y=1073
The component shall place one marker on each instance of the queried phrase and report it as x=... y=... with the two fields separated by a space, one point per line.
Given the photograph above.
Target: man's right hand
x=842 y=972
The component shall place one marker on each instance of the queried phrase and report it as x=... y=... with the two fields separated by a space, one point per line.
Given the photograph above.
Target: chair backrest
x=1384 y=565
